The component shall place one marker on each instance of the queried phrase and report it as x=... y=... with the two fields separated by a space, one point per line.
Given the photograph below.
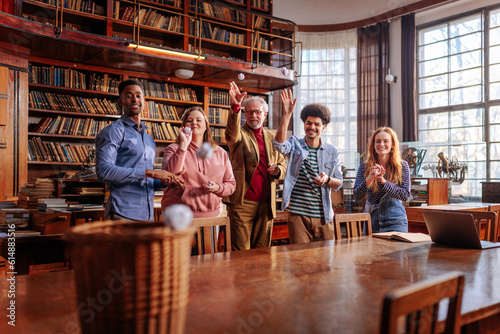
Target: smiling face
x=255 y=114
x=313 y=127
x=383 y=143
x=197 y=122
x=132 y=100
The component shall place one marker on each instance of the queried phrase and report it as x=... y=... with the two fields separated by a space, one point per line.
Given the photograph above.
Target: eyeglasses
x=257 y=112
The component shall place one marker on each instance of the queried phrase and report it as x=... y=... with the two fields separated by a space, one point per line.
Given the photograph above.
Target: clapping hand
x=211 y=187
x=273 y=169
x=173 y=179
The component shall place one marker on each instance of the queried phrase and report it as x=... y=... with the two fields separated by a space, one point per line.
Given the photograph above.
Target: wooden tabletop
x=323 y=287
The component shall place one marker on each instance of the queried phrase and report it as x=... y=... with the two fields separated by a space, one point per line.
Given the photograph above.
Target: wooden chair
x=419 y=303
x=354 y=224
x=486 y=218
x=496 y=208
x=208 y=239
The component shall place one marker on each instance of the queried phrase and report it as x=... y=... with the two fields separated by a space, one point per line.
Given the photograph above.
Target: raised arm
x=288 y=107
x=233 y=126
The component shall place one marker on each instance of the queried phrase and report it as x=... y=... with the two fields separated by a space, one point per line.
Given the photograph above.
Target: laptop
x=455 y=229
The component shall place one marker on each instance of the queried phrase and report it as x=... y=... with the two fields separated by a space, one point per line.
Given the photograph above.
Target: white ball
x=241 y=76
x=178 y=217
x=187 y=130
x=284 y=71
x=206 y=151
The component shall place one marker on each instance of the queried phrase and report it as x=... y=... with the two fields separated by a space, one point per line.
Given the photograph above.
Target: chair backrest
x=419 y=303
x=487 y=218
x=496 y=208
x=356 y=224
x=210 y=233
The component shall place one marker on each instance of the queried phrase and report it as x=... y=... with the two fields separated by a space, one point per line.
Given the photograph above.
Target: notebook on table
x=455 y=229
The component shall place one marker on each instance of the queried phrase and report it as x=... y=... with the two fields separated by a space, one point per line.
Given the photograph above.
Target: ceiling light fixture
x=170 y=52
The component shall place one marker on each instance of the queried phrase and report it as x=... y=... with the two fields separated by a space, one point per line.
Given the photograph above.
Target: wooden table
x=322 y=287
x=416 y=222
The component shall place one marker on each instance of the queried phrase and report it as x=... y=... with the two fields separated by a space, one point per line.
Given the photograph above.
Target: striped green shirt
x=305 y=199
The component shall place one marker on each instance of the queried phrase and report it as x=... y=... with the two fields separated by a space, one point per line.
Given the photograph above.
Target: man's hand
x=167 y=178
x=288 y=101
x=273 y=169
x=321 y=179
x=234 y=93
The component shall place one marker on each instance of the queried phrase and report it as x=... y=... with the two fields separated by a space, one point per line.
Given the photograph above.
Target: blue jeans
x=388 y=215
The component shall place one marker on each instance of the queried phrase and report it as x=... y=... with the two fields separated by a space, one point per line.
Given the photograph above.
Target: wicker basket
x=131 y=277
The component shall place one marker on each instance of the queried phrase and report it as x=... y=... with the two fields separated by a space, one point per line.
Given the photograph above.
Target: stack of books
x=19 y=217
x=52 y=205
x=34 y=190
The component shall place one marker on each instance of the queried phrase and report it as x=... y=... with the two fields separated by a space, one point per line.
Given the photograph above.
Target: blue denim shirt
x=122 y=156
x=296 y=150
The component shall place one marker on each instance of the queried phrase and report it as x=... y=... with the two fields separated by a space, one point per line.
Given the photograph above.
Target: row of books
x=159 y=111
x=221 y=12
x=39 y=150
x=218 y=97
x=217 y=33
x=166 y=91
x=70 y=78
x=61 y=125
x=62 y=102
x=194 y=49
x=218 y=134
x=261 y=43
x=260 y=22
x=162 y=131
x=86 y=6
x=262 y=4
x=149 y=17
x=217 y=115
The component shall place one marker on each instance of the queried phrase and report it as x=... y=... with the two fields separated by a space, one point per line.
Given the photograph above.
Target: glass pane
x=465 y=25
x=465 y=135
x=466 y=78
x=466 y=60
x=433 y=100
x=432 y=84
x=432 y=51
x=495 y=132
x=434 y=34
x=495 y=151
x=495 y=54
x=495 y=114
x=495 y=18
x=433 y=67
x=305 y=68
x=433 y=136
x=495 y=169
x=465 y=43
x=495 y=91
x=465 y=95
x=495 y=73
x=468 y=117
x=433 y=121
x=495 y=36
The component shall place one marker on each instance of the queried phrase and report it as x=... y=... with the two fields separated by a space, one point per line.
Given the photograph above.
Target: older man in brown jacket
x=256 y=167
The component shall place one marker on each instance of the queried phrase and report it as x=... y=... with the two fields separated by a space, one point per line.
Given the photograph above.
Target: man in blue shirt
x=313 y=171
x=124 y=160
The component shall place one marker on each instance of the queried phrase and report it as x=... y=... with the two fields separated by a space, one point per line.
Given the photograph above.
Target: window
x=459 y=97
x=328 y=76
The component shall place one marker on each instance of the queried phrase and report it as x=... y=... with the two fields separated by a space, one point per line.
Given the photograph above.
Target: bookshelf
x=63 y=62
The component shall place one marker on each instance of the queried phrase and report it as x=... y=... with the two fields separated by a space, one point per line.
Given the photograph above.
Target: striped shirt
x=401 y=192
x=305 y=199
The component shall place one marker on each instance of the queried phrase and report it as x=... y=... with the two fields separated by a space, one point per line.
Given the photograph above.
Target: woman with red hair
x=386 y=180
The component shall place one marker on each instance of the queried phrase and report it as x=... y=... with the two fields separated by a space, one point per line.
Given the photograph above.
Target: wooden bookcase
x=70 y=103
x=429 y=191
x=69 y=39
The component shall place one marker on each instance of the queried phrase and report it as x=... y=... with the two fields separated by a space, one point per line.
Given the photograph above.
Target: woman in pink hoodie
x=206 y=180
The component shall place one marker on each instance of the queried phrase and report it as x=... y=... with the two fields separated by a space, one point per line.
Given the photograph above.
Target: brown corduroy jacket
x=244 y=156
